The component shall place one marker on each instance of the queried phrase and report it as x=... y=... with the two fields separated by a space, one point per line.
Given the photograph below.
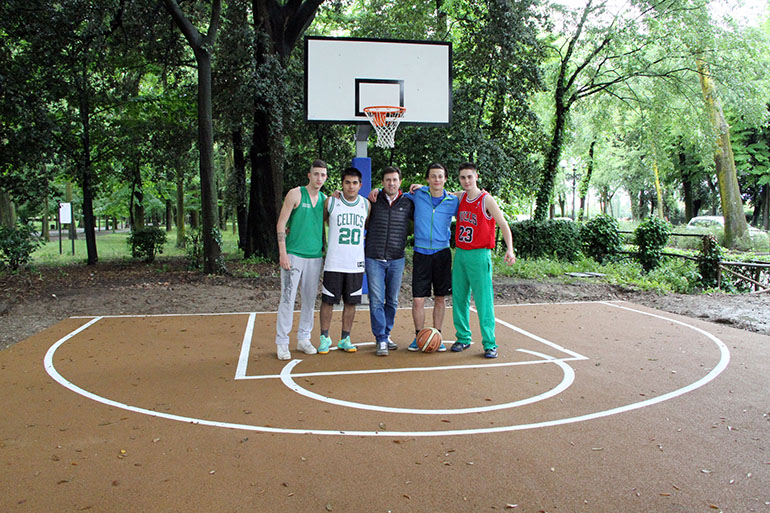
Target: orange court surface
x=591 y=407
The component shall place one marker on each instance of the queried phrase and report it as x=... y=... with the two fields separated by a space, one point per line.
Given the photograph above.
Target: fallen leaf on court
x=675 y=487
x=407 y=496
x=328 y=507
x=212 y=472
x=382 y=425
x=155 y=440
x=115 y=483
x=511 y=506
x=665 y=495
x=291 y=494
x=303 y=458
x=706 y=471
x=597 y=448
x=714 y=506
x=446 y=420
x=469 y=463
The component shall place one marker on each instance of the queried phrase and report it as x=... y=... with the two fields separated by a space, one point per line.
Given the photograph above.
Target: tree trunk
x=45 y=228
x=138 y=213
x=586 y=183
x=239 y=168
x=545 y=192
x=689 y=203
x=85 y=176
x=179 y=206
x=7 y=210
x=727 y=177
x=276 y=32
x=212 y=252
x=658 y=189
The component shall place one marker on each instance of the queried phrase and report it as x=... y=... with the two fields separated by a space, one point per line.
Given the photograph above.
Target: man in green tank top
x=300 y=245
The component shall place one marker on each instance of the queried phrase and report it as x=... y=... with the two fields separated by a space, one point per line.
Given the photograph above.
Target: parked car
x=713 y=222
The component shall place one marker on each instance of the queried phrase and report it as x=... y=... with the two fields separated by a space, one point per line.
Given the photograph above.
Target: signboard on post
x=65 y=213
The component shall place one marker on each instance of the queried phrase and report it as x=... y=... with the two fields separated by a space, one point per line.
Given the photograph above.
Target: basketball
x=429 y=340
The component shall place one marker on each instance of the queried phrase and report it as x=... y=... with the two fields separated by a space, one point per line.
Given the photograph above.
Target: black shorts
x=432 y=270
x=345 y=286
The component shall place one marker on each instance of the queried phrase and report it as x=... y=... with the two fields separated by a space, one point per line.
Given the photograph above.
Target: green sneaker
x=325 y=344
x=346 y=346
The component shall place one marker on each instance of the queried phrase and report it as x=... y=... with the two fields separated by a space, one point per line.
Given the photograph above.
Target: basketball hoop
x=385 y=120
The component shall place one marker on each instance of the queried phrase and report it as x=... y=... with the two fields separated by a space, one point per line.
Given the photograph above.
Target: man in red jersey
x=472 y=269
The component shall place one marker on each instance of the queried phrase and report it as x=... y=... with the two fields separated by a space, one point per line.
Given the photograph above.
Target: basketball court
x=590 y=407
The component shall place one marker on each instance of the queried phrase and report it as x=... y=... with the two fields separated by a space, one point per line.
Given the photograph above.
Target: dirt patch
x=33 y=301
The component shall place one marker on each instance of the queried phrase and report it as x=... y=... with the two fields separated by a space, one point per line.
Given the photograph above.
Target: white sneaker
x=283 y=353
x=306 y=347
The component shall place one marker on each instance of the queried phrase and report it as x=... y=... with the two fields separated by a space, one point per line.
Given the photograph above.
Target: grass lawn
x=113 y=246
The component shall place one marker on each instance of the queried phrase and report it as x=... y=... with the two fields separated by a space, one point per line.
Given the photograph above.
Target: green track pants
x=472 y=274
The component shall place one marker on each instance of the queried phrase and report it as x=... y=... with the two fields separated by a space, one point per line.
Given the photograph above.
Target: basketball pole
x=363 y=164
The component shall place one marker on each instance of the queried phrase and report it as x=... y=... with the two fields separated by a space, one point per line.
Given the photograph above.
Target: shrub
x=651 y=237
x=601 y=237
x=193 y=243
x=147 y=242
x=708 y=261
x=17 y=245
x=547 y=239
x=194 y=248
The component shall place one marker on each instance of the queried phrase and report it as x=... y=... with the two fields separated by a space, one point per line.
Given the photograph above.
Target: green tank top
x=305 y=237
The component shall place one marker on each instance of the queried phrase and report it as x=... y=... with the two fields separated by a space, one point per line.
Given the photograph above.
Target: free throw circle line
x=710 y=376
x=568 y=376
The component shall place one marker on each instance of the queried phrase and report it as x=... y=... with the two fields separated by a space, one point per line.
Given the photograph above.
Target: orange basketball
x=429 y=340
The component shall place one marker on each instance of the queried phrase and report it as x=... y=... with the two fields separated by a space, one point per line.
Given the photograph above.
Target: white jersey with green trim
x=345 y=250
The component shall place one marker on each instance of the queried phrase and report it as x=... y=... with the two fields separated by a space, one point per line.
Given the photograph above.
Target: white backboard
x=344 y=75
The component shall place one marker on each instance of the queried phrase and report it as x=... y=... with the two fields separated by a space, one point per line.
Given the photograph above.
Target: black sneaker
x=459 y=346
x=490 y=353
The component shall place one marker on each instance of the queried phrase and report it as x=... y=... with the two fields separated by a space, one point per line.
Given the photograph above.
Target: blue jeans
x=384 y=278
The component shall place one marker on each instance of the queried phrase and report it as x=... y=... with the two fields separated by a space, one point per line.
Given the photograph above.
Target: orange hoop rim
x=379 y=115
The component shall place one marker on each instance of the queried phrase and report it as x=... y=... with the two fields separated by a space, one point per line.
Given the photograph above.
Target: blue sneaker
x=459 y=346
x=346 y=346
x=490 y=353
x=323 y=347
x=413 y=346
x=441 y=348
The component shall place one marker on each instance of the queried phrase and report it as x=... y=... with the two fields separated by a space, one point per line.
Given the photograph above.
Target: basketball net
x=385 y=120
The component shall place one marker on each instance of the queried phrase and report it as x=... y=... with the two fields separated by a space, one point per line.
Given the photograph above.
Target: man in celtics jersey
x=472 y=270
x=345 y=263
x=300 y=246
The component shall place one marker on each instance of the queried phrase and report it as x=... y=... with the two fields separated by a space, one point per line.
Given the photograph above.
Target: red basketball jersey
x=475 y=229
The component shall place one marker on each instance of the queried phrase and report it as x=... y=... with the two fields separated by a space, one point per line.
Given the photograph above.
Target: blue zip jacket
x=432 y=226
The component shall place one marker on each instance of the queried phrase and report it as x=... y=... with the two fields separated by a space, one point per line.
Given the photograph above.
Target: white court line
x=246 y=349
x=568 y=376
x=243 y=359
x=710 y=376
x=412 y=369
x=539 y=339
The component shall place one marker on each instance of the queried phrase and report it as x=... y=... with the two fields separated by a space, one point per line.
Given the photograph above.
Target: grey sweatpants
x=305 y=275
